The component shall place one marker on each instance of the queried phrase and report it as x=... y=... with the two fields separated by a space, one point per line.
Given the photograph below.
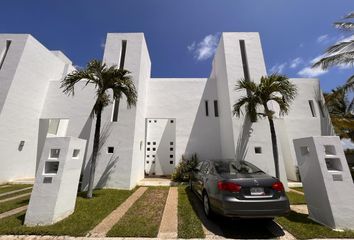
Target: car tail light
x=229 y=186
x=278 y=186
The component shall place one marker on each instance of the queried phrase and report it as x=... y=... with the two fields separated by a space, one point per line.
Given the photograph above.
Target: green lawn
x=144 y=217
x=300 y=189
x=88 y=213
x=296 y=198
x=12 y=204
x=16 y=194
x=304 y=228
x=14 y=187
x=189 y=225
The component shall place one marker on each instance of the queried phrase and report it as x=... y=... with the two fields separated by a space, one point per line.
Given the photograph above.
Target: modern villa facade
x=173 y=116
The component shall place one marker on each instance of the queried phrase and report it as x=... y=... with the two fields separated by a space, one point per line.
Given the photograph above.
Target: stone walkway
x=4 y=186
x=103 y=227
x=15 y=197
x=302 y=208
x=168 y=227
x=296 y=191
x=15 y=191
x=13 y=211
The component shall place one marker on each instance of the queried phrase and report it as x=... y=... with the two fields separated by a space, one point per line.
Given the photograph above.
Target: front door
x=160 y=146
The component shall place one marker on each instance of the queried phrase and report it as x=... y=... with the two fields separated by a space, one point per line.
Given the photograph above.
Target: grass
x=14 y=187
x=144 y=217
x=189 y=225
x=300 y=189
x=295 y=198
x=16 y=194
x=12 y=204
x=304 y=228
x=88 y=213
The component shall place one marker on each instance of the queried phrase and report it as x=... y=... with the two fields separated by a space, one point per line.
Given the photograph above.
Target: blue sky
x=181 y=34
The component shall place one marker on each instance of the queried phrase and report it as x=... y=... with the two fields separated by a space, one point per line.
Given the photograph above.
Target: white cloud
x=296 y=62
x=206 y=48
x=278 y=68
x=311 y=72
x=322 y=38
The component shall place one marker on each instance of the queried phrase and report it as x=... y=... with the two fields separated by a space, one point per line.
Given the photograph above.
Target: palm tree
x=103 y=78
x=341 y=112
x=341 y=53
x=276 y=88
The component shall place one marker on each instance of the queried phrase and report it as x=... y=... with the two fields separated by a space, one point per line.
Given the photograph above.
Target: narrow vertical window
x=320 y=106
x=122 y=54
x=216 y=109
x=206 y=108
x=246 y=72
x=312 y=107
x=4 y=52
x=121 y=66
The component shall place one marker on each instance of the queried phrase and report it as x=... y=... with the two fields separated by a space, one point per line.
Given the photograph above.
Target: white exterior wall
x=185 y=102
x=26 y=91
x=300 y=123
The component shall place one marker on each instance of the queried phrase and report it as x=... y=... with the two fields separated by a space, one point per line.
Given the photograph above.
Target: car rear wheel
x=206 y=206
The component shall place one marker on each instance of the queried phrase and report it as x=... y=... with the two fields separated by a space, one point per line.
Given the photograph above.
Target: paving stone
x=302 y=208
x=168 y=227
x=13 y=211
x=15 y=191
x=14 y=197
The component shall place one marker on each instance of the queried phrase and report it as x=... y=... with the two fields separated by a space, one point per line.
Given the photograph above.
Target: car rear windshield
x=235 y=167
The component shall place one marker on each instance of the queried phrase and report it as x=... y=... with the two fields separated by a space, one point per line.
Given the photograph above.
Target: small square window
x=153 y=143
x=51 y=167
x=171 y=121
x=54 y=153
x=76 y=153
x=147 y=162
x=149 y=121
x=153 y=156
x=171 y=149
x=171 y=143
x=147 y=155
x=148 y=143
x=258 y=150
x=153 y=162
x=171 y=156
x=153 y=149
x=110 y=149
x=47 y=180
x=148 y=149
x=153 y=173
x=155 y=121
x=171 y=162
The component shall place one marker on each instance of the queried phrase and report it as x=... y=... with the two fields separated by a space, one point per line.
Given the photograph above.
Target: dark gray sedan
x=238 y=189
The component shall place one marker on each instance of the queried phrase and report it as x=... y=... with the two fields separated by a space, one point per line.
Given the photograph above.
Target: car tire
x=206 y=206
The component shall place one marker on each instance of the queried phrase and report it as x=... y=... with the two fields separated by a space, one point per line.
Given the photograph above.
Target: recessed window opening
x=54 y=153
x=171 y=143
x=76 y=153
x=312 y=108
x=51 y=167
x=330 y=150
x=333 y=164
x=4 y=53
x=148 y=143
x=246 y=72
x=216 y=109
x=122 y=54
x=320 y=106
x=171 y=121
x=153 y=143
x=171 y=162
x=171 y=156
x=258 y=150
x=148 y=149
x=53 y=126
x=206 y=108
x=171 y=149
x=110 y=149
x=153 y=149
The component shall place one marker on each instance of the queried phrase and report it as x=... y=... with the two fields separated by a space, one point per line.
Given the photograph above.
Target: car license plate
x=257 y=191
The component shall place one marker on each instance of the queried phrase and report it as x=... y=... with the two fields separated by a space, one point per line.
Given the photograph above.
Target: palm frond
x=335 y=59
x=346 y=26
x=350 y=15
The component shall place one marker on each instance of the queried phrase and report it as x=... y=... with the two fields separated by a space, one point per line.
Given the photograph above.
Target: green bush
x=183 y=169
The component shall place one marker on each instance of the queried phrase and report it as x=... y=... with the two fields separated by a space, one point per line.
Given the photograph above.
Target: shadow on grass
x=234 y=227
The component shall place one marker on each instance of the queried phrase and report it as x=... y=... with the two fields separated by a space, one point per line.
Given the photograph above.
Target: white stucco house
x=173 y=116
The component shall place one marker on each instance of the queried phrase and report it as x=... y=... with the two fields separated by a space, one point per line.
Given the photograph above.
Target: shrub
x=183 y=169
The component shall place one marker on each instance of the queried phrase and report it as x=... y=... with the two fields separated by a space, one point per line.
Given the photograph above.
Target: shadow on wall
x=204 y=138
x=326 y=124
x=243 y=139
x=105 y=132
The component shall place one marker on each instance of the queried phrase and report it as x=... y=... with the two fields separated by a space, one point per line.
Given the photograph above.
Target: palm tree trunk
x=274 y=146
x=96 y=143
